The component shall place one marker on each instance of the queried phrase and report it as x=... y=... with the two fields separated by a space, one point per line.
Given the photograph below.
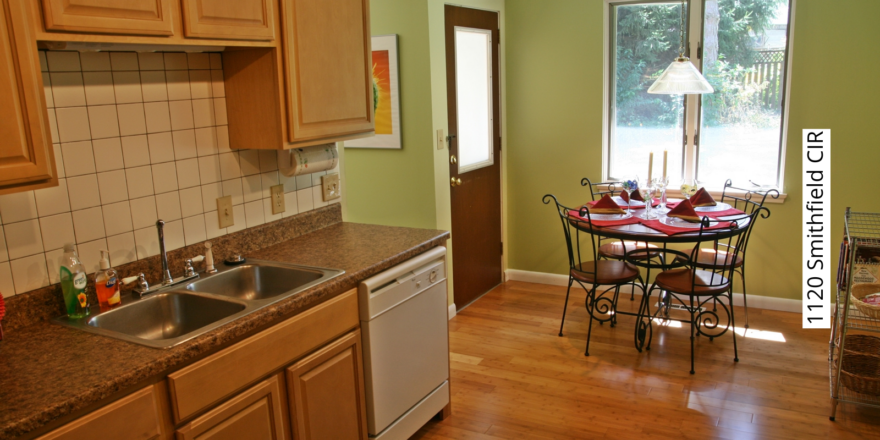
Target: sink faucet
x=166 y=274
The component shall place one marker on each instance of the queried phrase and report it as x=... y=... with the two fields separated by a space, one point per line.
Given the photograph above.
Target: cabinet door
x=326 y=392
x=129 y=17
x=229 y=19
x=140 y=415
x=26 y=154
x=328 y=68
x=257 y=413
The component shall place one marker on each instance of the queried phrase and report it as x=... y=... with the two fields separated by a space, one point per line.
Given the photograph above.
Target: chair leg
x=614 y=306
x=693 y=324
x=733 y=324
x=565 y=307
x=591 y=296
x=742 y=276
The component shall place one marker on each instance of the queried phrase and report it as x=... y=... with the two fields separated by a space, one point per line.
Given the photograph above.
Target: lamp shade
x=681 y=78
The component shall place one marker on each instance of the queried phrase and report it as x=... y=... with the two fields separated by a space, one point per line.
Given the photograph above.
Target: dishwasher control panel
x=394 y=286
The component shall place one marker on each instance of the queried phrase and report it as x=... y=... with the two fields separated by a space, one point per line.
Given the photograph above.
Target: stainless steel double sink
x=181 y=312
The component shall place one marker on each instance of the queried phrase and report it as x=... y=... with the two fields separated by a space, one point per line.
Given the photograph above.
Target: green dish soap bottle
x=73 y=284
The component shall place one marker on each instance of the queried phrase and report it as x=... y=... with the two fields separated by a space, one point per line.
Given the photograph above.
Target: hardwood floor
x=514 y=378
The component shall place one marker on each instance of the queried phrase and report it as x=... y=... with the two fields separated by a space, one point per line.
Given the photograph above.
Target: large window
x=735 y=133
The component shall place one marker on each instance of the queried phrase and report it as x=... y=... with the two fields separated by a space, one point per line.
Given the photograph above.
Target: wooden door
x=328 y=68
x=475 y=150
x=255 y=414
x=140 y=415
x=326 y=390
x=26 y=154
x=229 y=19
x=129 y=17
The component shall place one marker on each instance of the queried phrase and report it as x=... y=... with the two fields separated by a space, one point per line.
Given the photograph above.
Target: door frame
x=437 y=39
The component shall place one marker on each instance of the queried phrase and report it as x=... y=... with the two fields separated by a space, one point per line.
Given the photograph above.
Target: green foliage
x=647 y=39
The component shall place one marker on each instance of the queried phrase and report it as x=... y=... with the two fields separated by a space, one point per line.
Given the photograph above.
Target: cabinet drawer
x=257 y=413
x=206 y=382
x=133 y=417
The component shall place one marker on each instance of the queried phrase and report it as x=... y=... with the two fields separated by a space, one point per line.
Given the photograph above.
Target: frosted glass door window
x=473 y=97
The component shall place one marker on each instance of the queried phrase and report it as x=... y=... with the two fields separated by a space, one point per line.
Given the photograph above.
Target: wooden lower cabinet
x=258 y=413
x=141 y=415
x=326 y=392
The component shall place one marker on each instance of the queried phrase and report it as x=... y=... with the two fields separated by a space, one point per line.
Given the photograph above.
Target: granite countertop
x=48 y=371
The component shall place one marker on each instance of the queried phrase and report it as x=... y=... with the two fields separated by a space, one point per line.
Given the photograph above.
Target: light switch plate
x=330 y=184
x=277 y=192
x=224 y=212
x=441 y=140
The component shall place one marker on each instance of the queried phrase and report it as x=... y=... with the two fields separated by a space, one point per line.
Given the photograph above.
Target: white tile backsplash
x=16 y=207
x=53 y=200
x=137 y=137
x=127 y=86
x=88 y=224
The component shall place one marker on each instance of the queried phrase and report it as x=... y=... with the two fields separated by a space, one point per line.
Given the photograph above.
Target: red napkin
x=702 y=198
x=605 y=206
x=635 y=196
x=604 y=223
x=684 y=211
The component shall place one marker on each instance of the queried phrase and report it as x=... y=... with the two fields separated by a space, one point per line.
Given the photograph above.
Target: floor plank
x=513 y=377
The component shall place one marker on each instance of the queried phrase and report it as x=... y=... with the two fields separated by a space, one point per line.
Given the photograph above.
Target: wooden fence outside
x=768 y=67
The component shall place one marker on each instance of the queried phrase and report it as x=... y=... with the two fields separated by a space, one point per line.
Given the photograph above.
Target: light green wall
x=396 y=187
x=555 y=86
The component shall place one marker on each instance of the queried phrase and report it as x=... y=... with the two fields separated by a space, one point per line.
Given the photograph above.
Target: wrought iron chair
x=697 y=283
x=749 y=202
x=613 y=248
x=593 y=272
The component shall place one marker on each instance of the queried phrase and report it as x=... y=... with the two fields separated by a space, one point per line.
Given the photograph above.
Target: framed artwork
x=386 y=96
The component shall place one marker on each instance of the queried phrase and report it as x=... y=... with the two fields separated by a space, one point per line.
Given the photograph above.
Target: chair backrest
x=601 y=188
x=721 y=268
x=750 y=201
x=573 y=227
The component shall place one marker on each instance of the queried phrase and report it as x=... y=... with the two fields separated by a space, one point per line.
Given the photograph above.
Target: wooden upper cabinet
x=326 y=392
x=26 y=154
x=257 y=413
x=328 y=67
x=229 y=19
x=128 y=17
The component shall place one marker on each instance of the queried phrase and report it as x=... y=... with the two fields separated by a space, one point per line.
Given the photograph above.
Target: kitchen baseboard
x=755 y=301
x=451 y=311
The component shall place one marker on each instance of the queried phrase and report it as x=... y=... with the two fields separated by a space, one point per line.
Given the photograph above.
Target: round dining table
x=638 y=232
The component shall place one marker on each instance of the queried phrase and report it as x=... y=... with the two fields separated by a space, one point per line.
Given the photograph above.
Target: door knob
x=454 y=182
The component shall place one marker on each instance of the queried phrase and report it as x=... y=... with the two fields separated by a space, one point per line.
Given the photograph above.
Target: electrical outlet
x=441 y=140
x=330 y=184
x=277 y=192
x=225 y=217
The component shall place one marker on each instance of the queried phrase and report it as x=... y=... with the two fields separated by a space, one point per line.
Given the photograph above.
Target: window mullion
x=692 y=115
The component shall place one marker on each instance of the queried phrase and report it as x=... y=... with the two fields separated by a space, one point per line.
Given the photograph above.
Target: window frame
x=692 y=103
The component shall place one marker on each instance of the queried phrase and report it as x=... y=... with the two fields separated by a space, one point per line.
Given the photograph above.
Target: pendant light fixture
x=681 y=77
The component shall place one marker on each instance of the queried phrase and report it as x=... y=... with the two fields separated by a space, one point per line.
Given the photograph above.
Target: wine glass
x=646 y=190
x=630 y=186
x=688 y=188
x=661 y=183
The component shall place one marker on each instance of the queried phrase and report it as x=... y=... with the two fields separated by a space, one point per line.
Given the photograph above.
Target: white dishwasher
x=406 y=345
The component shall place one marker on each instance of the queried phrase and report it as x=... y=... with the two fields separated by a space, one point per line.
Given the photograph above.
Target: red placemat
x=672 y=230
x=654 y=204
x=605 y=223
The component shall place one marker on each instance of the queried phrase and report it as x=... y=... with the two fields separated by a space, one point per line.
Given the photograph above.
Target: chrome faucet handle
x=141 y=287
x=188 y=270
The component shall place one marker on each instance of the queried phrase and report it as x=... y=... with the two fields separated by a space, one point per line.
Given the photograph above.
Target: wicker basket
x=862 y=344
x=860 y=291
x=861 y=373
